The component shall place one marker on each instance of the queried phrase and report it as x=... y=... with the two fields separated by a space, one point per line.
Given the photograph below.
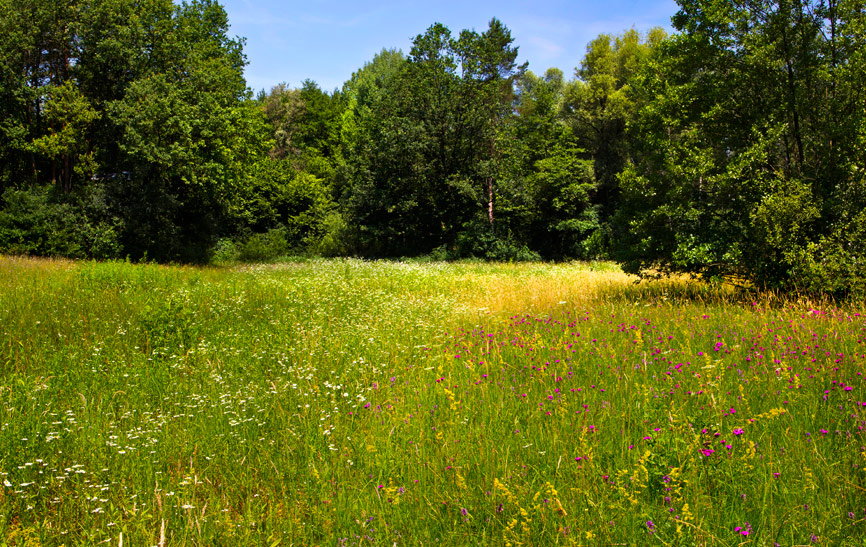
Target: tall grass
x=347 y=403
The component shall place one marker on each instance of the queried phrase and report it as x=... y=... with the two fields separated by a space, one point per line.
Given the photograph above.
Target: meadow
x=345 y=402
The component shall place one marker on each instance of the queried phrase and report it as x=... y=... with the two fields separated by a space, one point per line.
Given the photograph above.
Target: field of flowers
x=383 y=403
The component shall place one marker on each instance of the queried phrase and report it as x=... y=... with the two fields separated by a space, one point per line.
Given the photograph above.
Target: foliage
x=264 y=247
x=563 y=186
x=31 y=224
x=733 y=149
x=422 y=159
x=143 y=99
x=305 y=121
x=744 y=145
x=42 y=221
x=477 y=241
x=599 y=103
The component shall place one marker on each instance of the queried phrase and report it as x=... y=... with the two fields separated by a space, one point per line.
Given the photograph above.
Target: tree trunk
x=792 y=87
x=490 y=200
x=490 y=177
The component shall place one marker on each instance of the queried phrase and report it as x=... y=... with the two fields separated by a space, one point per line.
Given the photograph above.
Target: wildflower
x=651 y=528
x=738 y=431
x=745 y=529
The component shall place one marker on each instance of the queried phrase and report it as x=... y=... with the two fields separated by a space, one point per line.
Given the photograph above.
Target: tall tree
x=741 y=157
x=437 y=133
x=599 y=102
x=140 y=103
x=559 y=186
x=282 y=107
x=489 y=72
x=39 y=52
x=410 y=193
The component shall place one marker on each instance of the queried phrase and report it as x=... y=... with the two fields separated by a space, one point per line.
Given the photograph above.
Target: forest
x=731 y=150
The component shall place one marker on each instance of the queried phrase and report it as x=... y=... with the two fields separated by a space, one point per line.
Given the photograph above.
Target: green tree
x=556 y=215
x=598 y=104
x=423 y=159
x=409 y=192
x=364 y=90
x=562 y=186
x=67 y=116
x=489 y=73
x=282 y=107
x=137 y=105
x=39 y=50
x=743 y=143
x=178 y=135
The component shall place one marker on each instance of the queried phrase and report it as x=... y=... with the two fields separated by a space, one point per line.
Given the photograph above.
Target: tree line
x=731 y=149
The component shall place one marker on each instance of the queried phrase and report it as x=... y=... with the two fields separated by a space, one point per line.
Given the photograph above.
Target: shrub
x=478 y=241
x=264 y=247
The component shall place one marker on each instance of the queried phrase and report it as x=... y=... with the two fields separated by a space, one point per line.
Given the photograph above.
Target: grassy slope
x=347 y=402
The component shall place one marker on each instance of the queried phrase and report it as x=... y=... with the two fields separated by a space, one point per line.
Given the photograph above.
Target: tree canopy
x=731 y=149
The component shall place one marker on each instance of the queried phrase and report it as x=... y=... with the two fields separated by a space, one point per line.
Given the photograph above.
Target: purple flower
x=650 y=527
x=745 y=529
x=738 y=431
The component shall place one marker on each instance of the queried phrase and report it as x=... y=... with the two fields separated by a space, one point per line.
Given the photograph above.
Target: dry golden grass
x=546 y=290
x=10 y=265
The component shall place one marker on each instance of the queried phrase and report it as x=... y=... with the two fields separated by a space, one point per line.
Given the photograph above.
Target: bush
x=264 y=247
x=45 y=222
x=33 y=223
x=336 y=239
x=478 y=241
x=225 y=251
x=837 y=263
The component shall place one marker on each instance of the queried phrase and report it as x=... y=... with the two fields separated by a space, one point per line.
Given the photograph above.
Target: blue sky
x=327 y=40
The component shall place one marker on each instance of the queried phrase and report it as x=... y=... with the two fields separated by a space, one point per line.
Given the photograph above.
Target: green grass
x=371 y=403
